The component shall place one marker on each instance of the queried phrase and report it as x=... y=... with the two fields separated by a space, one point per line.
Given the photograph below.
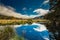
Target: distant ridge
x=8 y=17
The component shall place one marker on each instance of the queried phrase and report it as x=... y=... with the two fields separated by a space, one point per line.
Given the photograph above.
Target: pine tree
x=54 y=17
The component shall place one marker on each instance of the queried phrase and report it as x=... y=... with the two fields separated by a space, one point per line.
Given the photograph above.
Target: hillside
x=8 y=17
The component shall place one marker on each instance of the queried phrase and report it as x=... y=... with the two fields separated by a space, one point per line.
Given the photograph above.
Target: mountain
x=39 y=17
x=8 y=17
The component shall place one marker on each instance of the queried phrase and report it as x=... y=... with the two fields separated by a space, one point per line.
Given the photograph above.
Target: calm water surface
x=33 y=32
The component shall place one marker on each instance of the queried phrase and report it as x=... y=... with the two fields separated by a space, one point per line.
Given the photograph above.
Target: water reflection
x=34 y=31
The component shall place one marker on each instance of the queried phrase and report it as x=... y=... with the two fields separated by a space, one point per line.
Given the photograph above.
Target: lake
x=34 y=31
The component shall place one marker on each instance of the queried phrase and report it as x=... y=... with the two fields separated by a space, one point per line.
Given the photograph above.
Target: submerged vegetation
x=16 y=37
x=8 y=33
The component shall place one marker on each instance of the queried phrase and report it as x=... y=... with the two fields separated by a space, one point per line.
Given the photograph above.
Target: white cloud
x=41 y=12
x=40 y=28
x=46 y=1
x=24 y=8
x=30 y=8
x=15 y=26
x=9 y=11
x=46 y=38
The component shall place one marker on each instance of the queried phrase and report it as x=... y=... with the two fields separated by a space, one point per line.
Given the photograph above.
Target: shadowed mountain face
x=8 y=17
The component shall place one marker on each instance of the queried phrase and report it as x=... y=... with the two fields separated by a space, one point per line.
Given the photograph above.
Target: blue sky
x=26 y=7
